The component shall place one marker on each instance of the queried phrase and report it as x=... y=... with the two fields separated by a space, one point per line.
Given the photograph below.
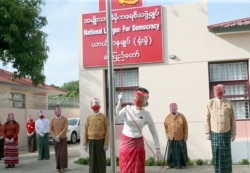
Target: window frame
x=121 y=88
x=18 y=100
x=233 y=98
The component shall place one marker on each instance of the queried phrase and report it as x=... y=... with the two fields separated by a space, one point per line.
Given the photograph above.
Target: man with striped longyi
x=221 y=129
x=176 y=129
x=96 y=138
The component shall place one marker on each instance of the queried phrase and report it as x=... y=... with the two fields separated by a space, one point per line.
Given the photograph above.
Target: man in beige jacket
x=96 y=138
x=58 y=130
x=220 y=129
x=176 y=129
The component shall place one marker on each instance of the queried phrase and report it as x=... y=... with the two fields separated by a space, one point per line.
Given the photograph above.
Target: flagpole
x=111 y=86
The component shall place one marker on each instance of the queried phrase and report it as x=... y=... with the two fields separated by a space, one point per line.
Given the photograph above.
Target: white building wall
x=184 y=80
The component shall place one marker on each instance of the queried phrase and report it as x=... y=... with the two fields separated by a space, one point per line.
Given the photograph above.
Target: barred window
x=125 y=81
x=234 y=75
x=18 y=100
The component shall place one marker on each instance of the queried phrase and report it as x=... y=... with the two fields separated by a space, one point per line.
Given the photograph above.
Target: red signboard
x=136 y=37
x=119 y=4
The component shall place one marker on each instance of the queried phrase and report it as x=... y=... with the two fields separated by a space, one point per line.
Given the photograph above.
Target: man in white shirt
x=42 y=130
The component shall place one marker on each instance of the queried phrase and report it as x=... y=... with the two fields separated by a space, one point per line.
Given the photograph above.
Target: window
x=126 y=81
x=234 y=75
x=18 y=100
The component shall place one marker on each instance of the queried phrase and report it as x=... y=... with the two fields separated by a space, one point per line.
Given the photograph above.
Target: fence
x=66 y=102
x=31 y=101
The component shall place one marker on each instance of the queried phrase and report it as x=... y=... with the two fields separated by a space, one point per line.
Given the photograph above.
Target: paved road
x=30 y=164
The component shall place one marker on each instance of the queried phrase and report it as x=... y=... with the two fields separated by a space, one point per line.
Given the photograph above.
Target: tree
x=72 y=89
x=70 y=100
x=22 y=42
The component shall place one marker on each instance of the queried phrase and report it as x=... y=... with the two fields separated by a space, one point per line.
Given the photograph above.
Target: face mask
x=95 y=107
x=95 y=104
x=218 y=91
x=140 y=98
x=139 y=102
x=41 y=116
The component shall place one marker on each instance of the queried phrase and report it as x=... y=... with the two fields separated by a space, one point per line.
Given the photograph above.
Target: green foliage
x=212 y=161
x=82 y=161
x=70 y=100
x=108 y=161
x=85 y=161
x=150 y=161
x=158 y=163
x=244 y=162
x=72 y=89
x=190 y=162
x=22 y=41
x=199 y=162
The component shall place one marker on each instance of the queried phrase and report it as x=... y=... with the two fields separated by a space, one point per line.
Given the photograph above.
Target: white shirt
x=135 y=120
x=42 y=126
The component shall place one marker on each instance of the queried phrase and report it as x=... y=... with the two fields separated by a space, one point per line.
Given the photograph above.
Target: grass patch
x=199 y=162
x=244 y=162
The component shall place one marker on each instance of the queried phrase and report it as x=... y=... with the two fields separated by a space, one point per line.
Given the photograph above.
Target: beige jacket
x=176 y=127
x=220 y=116
x=59 y=127
x=96 y=127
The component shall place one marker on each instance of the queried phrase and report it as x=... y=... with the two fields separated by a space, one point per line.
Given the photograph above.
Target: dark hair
x=7 y=122
x=142 y=90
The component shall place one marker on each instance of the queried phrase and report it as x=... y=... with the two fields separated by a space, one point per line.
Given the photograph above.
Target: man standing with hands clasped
x=31 y=133
x=220 y=129
x=42 y=130
x=58 y=131
x=96 y=138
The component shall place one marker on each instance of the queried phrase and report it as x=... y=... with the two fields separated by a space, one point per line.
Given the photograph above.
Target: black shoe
x=12 y=166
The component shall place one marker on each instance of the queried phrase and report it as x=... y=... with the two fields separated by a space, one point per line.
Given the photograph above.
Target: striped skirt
x=221 y=151
x=132 y=155
x=11 y=153
x=97 y=156
x=177 y=153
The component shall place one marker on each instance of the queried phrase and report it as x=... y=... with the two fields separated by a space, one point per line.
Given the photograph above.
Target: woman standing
x=132 y=151
x=11 y=131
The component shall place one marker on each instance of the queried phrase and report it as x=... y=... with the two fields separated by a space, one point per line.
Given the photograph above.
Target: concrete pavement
x=30 y=164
